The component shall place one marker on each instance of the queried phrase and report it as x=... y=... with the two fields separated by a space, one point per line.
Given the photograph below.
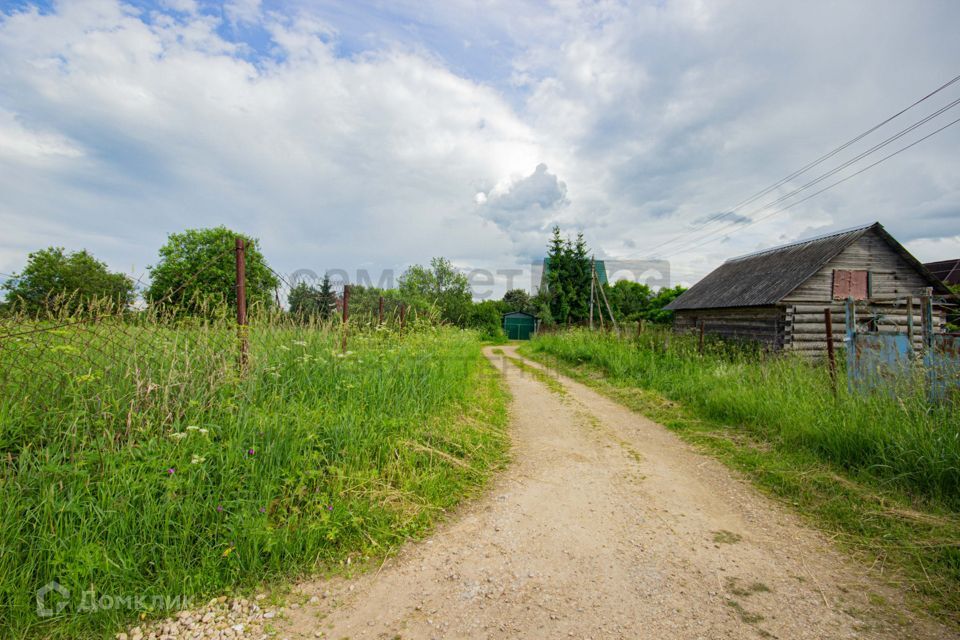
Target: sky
x=368 y=136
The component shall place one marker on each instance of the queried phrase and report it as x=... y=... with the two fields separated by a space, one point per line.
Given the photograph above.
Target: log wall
x=755 y=324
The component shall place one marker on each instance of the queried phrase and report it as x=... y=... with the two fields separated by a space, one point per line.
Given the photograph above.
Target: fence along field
x=141 y=459
x=880 y=471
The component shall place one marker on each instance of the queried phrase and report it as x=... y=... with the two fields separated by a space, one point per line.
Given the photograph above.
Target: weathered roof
x=946 y=270
x=766 y=277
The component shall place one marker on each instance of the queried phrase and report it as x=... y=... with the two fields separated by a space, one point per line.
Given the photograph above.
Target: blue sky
x=351 y=135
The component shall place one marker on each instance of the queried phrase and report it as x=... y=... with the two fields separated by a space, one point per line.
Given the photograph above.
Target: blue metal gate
x=882 y=361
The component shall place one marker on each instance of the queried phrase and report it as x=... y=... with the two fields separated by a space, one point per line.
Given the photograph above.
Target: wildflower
x=178 y=436
x=197 y=459
x=193 y=428
x=250 y=451
x=204 y=431
x=171 y=471
x=329 y=507
x=219 y=508
x=300 y=343
x=263 y=509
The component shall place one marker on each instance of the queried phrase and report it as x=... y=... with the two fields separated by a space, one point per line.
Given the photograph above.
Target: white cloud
x=348 y=136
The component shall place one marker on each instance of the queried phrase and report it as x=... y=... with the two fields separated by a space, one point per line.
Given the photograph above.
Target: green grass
x=138 y=462
x=879 y=473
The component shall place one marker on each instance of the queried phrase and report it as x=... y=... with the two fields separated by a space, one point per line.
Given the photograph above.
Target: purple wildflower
x=219 y=508
x=329 y=507
x=250 y=451
x=171 y=471
x=263 y=509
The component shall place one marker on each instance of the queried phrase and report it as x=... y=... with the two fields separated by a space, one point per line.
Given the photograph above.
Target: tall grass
x=137 y=461
x=894 y=436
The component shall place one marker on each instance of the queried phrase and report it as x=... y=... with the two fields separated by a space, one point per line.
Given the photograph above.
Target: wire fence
x=93 y=373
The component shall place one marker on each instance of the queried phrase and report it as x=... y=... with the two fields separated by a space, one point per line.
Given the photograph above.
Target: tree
x=517 y=300
x=487 y=316
x=556 y=267
x=630 y=300
x=55 y=280
x=327 y=302
x=580 y=274
x=441 y=286
x=308 y=301
x=568 y=278
x=197 y=271
x=666 y=295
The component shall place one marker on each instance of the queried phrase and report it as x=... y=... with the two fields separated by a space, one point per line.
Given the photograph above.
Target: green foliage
x=197 y=271
x=440 y=286
x=568 y=278
x=151 y=468
x=487 y=317
x=306 y=301
x=56 y=281
x=517 y=300
x=630 y=300
x=664 y=296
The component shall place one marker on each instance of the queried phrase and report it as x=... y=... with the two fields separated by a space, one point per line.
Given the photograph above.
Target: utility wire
x=718 y=216
x=833 y=171
x=828 y=187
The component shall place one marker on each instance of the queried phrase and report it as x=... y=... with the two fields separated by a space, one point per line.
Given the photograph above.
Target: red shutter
x=849 y=284
x=858 y=285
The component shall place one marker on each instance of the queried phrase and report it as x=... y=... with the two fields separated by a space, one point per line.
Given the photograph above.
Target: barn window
x=851 y=284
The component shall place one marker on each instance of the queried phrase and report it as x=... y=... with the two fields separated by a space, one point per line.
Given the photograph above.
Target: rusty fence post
x=403 y=314
x=346 y=317
x=831 y=355
x=242 y=338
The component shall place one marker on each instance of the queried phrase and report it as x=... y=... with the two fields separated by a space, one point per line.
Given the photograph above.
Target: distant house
x=946 y=270
x=777 y=296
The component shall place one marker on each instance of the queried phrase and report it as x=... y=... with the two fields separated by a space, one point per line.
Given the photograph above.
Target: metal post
x=346 y=316
x=242 y=337
x=831 y=356
x=380 y=312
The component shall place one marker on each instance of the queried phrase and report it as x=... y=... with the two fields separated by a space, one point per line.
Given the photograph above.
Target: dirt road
x=605 y=525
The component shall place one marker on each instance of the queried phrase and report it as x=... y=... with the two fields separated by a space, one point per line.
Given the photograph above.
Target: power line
x=828 y=187
x=710 y=220
x=835 y=170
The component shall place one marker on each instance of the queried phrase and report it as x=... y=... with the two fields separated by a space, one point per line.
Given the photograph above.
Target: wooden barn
x=777 y=297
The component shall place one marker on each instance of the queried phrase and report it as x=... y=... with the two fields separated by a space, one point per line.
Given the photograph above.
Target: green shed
x=519 y=325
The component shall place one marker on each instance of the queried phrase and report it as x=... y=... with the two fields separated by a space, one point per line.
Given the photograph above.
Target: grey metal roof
x=946 y=270
x=768 y=276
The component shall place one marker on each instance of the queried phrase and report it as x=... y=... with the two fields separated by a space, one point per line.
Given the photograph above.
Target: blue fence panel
x=877 y=359
x=942 y=361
